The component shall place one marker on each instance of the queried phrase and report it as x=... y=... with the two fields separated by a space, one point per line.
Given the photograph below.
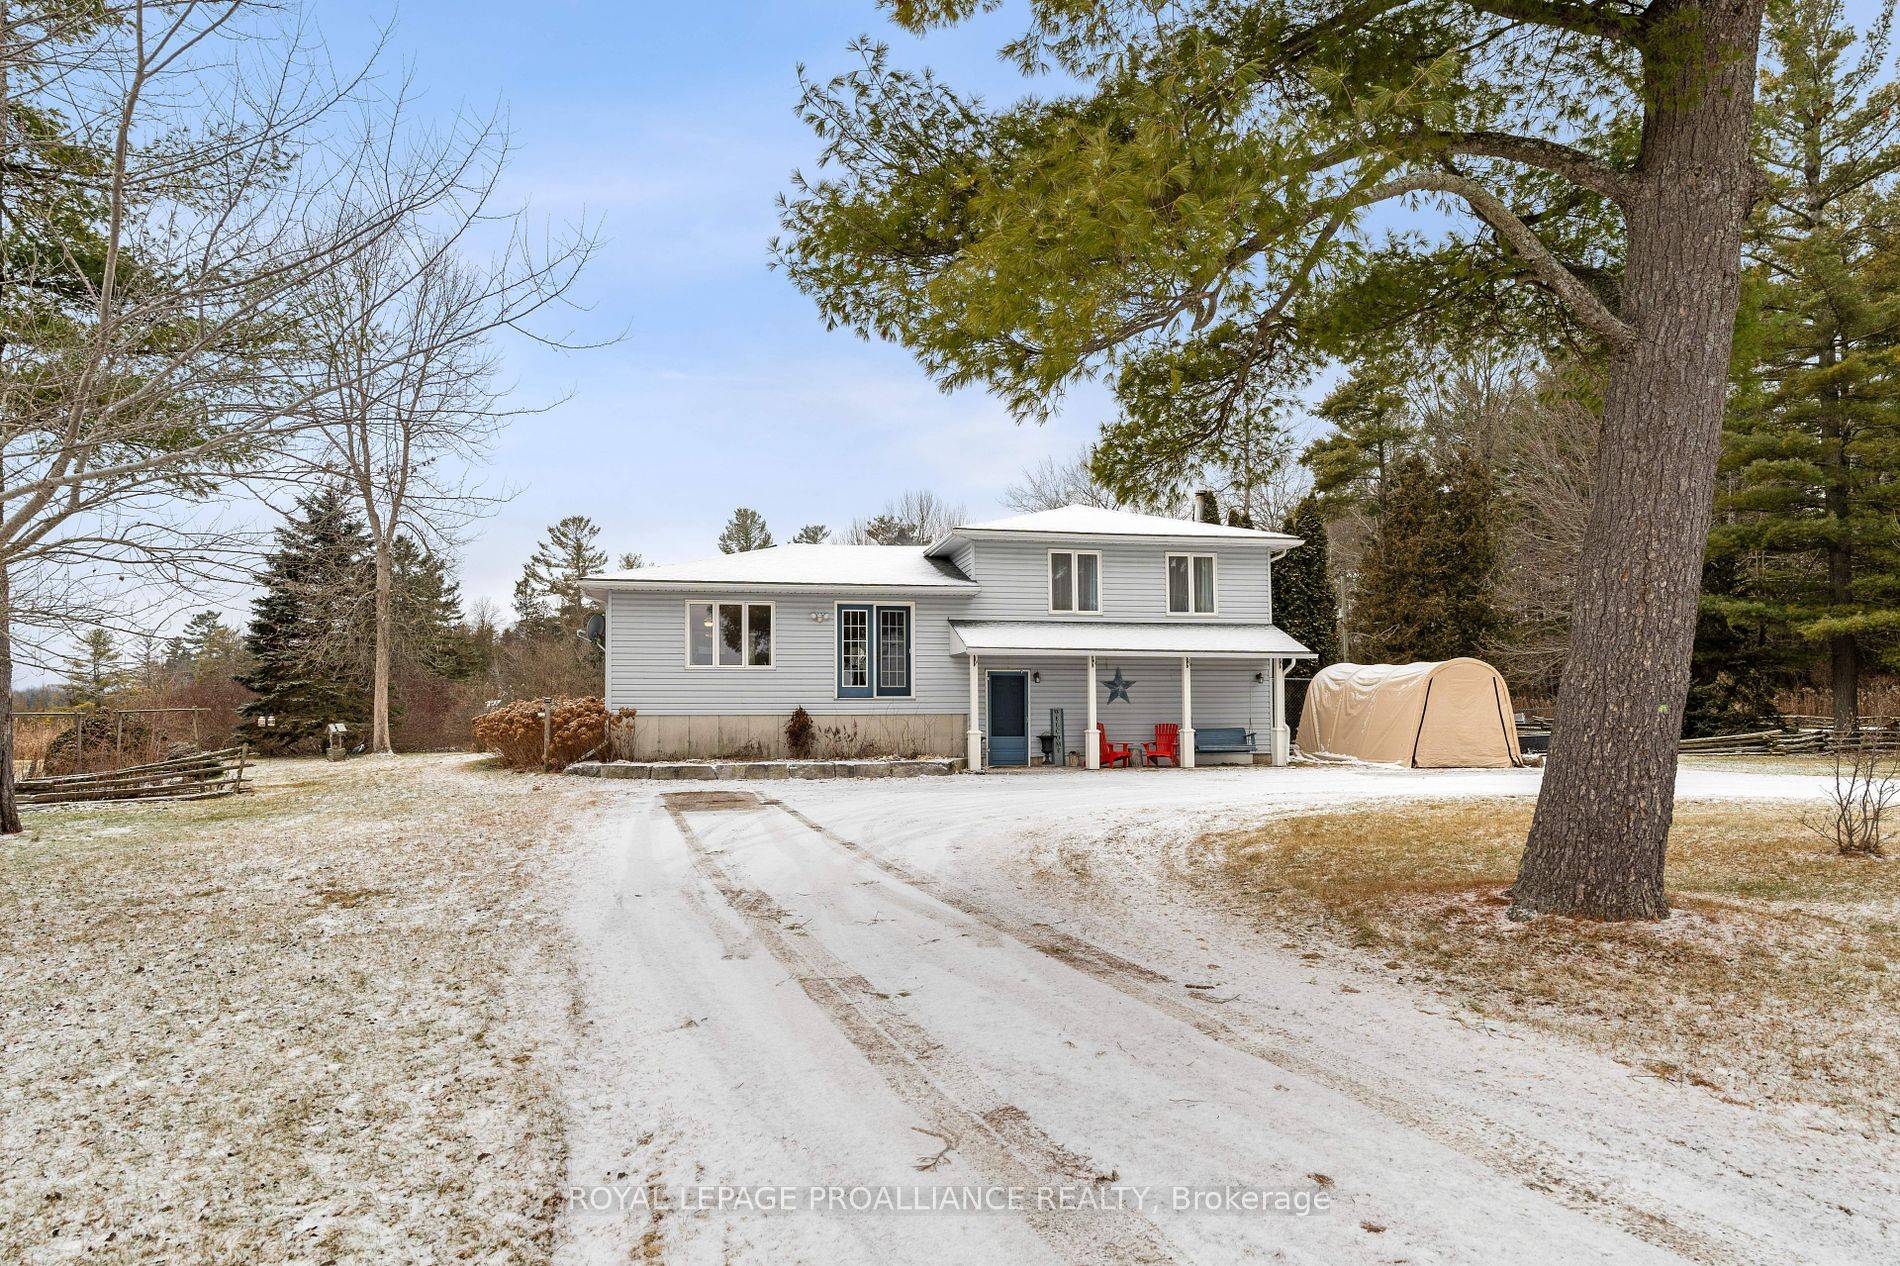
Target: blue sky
x=673 y=125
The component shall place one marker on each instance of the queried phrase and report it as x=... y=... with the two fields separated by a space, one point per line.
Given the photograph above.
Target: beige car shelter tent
x=1450 y=715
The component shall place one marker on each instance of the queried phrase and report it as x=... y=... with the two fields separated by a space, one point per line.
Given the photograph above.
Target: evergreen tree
x=548 y=597
x=1813 y=446
x=1192 y=207
x=744 y=531
x=95 y=672
x=631 y=560
x=811 y=534
x=1304 y=601
x=309 y=666
x=1424 y=589
x=1370 y=429
x=430 y=638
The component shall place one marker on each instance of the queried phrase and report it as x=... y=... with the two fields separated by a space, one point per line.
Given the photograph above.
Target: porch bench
x=1223 y=740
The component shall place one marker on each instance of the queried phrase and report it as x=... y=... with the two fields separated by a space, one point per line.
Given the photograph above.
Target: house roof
x=886 y=567
x=1094 y=521
x=1097 y=637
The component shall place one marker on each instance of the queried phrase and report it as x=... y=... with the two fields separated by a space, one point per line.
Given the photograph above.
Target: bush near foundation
x=514 y=731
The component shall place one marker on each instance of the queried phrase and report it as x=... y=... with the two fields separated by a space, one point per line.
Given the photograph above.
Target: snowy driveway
x=801 y=999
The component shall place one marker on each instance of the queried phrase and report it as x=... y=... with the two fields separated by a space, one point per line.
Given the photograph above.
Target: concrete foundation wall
x=762 y=736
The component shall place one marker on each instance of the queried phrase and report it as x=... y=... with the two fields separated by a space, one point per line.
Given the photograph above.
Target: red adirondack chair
x=1114 y=753
x=1166 y=745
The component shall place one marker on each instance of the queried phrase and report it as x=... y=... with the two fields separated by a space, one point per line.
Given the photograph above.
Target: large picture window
x=729 y=634
x=874 y=651
x=1191 y=584
x=1075 y=582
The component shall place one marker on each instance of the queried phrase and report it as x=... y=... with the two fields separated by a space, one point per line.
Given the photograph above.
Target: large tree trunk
x=1843 y=648
x=1597 y=840
x=379 y=695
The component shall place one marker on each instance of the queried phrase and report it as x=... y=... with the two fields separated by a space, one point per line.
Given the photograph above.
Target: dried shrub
x=516 y=733
x=94 y=742
x=800 y=734
x=1861 y=800
x=847 y=741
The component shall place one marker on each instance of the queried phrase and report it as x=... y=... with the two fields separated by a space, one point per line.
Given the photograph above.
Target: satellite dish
x=596 y=629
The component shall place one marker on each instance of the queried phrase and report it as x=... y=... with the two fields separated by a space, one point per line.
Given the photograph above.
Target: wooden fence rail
x=193 y=777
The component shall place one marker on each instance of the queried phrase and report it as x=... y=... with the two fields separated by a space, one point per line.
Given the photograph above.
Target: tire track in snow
x=999 y=1138
x=1526 y=1160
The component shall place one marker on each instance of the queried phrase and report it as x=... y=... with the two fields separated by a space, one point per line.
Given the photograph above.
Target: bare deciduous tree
x=404 y=332
x=918 y=517
x=156 y=279
x=1051 y=484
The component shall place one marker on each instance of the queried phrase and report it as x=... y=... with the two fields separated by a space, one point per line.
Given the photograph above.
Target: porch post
x=974 y=737
x=1280 y=740
x=1092 y=738
x=1187 y=713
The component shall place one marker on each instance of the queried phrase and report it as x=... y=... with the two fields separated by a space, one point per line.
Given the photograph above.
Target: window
x=729 y=634
x=854 y=651
x=893 y=650
x=1191 y=584
x=1075 y=582
x=874 y=646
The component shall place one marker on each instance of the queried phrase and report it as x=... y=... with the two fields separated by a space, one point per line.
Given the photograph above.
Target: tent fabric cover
x=1453 y=714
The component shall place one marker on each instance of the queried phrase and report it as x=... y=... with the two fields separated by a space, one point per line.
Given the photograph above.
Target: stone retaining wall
x=728 y=771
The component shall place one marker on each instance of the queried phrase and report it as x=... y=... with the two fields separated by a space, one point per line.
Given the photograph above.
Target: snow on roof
x=1095 y=637
x=1075 y=520
x=833 y=566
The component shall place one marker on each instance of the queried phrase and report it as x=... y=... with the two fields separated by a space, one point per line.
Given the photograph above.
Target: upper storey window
x=1191 y=584
x=1075 y=582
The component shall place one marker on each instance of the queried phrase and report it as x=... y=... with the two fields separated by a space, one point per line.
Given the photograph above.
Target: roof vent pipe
x=1206 y=508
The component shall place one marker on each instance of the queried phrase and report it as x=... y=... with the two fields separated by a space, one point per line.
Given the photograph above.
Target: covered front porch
x=1222 y=685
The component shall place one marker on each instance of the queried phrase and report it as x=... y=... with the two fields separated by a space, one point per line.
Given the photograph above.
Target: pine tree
x=95 y=673
x=306 y=636
x=1370 y=430
x=1813 y=447
x=1193 y=208
x=811 y=534
x=1424 y=589
x=548 y=597
x=1304 y=601
x=744 y=531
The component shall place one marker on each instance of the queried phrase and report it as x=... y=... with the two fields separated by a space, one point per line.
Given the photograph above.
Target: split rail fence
x=199 y=776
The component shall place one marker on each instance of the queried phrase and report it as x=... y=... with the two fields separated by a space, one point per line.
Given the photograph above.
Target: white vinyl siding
x=647 y=656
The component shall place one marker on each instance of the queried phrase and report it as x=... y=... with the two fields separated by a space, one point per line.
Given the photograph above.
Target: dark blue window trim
x=864 y=691
x=874 y=686
x=885 y=691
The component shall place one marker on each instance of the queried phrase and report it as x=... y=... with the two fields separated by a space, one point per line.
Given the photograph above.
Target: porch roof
x=1098 y=637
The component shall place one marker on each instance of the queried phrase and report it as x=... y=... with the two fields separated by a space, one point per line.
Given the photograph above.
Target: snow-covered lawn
x=1777 y=976
x=303 y=1025
x=418 y=1010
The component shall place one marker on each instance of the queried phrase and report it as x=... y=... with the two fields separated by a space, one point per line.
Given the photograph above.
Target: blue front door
x=1009 y=718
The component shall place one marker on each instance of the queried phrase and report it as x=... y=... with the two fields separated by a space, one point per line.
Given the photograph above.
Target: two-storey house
x=967 y=646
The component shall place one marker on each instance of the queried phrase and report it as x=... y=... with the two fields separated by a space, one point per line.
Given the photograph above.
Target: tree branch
x=1572 y=164
x=1566 y=285
x=1599 y=20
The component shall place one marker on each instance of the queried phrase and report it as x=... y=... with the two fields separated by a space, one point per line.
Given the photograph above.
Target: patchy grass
x=296 y=1025
x=1776 y=979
